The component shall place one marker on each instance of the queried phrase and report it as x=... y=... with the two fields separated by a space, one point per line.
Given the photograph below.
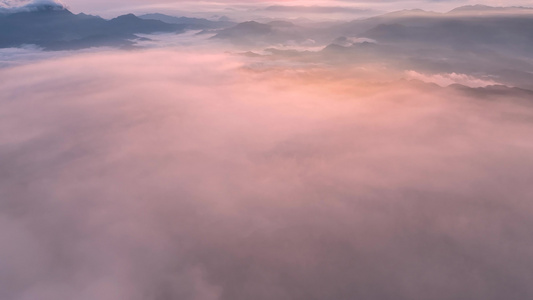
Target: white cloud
x=10 y=6
x=180 y=175
x=446 y=79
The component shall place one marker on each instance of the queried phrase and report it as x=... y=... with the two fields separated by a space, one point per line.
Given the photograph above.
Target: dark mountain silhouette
x=245 y=33
x=470 y=28
x=497 y=45
x=192 y=23
x=56 y=28
x=465 y=27
x=255 y=33
x=418 y=17
x=281 y=24
x=478 y=28
x=513 y=33
x=246 y=28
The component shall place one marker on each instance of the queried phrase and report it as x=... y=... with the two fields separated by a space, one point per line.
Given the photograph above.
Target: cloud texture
x=10 y=6
x=170 y=175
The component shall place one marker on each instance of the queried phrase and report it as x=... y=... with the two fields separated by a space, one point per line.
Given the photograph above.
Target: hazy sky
x=100 y=5
x=114 y=7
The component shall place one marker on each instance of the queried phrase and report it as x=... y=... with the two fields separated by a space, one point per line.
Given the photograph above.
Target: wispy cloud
x=451 y=78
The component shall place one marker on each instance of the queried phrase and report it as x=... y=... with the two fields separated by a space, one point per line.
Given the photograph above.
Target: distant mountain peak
x=127 y=17
x=252 y=26
x=224 y=19
x=480 y=8
x=250 y=23
x=53 y=27
x=476 y=7
x=279 y=23
x=409 y=12
x=192 y=23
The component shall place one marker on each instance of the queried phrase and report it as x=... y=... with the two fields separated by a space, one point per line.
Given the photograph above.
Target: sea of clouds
x=164 y=174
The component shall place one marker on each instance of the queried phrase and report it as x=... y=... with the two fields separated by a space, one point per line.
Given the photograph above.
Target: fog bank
x=174 y=175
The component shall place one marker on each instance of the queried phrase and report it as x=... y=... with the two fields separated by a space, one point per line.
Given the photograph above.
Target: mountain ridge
x=59 y=29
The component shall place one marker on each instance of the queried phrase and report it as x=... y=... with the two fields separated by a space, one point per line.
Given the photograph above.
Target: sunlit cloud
x=164 y=174
x=452 y=78
x=287 y=150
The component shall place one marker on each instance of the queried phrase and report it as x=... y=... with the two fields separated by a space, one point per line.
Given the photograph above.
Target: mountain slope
x=254 y=33
x=193 y=23
x=57 y=29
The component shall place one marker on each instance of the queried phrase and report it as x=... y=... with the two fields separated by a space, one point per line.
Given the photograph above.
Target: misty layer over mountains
x=57 y=29
x=491 y=44
x=170 y=175
x=53 y=27
x=159 y=157
x=494 y=46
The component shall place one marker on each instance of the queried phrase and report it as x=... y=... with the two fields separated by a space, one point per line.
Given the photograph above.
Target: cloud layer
x=20 y=4
x=172 y=175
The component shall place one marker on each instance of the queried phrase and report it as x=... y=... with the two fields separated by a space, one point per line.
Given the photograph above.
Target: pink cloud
x=166 y=174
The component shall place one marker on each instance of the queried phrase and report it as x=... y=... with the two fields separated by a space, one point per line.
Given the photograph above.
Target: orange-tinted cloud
x=169 y=174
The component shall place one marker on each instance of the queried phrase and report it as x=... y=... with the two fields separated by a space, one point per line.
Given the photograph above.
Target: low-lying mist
x=164 y=174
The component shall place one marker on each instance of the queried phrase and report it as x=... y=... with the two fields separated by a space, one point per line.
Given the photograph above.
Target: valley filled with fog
x=270 y=153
